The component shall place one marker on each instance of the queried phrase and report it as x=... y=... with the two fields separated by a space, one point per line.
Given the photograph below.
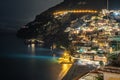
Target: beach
x=76 y=71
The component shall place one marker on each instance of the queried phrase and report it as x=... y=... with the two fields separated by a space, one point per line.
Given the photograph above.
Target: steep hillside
x=51 y=29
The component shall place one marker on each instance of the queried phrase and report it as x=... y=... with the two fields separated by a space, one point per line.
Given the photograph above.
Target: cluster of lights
x=65 y=58
x=74 y=11
x=103 y=30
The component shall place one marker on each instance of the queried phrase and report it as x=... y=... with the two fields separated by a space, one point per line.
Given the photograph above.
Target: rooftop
x=111 y=69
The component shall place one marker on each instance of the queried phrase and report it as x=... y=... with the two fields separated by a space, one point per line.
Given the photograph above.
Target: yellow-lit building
x=106 y=73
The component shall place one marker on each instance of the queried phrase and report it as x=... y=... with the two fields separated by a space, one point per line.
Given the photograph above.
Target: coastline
x=77 y=71
x=66 y=68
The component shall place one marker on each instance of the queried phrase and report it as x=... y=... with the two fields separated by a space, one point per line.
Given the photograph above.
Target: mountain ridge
x=51 y=29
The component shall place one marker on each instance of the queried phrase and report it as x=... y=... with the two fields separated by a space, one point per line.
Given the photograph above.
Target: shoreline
x=64 y=71
x=77 y=71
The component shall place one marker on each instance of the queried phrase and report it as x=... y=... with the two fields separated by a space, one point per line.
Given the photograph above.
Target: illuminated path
x=74 y=11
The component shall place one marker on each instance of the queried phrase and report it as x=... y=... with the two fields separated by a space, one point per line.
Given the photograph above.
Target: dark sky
x=15 y=13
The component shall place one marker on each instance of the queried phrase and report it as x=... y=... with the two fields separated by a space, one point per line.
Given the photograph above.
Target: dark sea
x=26 y=62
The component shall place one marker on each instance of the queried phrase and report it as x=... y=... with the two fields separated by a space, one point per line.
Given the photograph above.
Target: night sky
x=15 y=13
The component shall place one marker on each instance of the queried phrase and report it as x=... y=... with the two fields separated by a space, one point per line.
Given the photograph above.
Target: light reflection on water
x=53 y=58
x=34 y=57
x=31 y=48
x=27 y=62
x=64 y=70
